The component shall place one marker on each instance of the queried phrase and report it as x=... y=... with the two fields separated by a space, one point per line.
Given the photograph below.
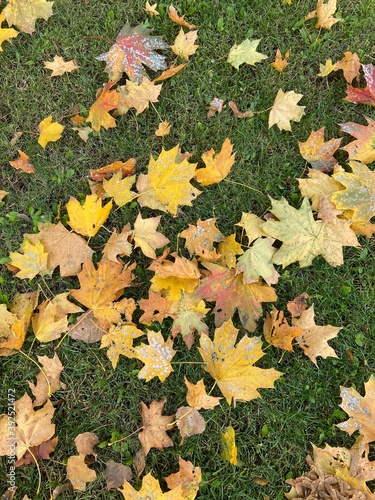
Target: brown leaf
x=189 y=422
x=116 y=474
x=298 y=305
x=237 y=113
x=188 y=477
x=41 y=452
x=23 y=163
x=139 y=462
x=86 y=328
x=173 y=15
x=126 y=168
x=350 y=65
x=155 y=427
x=85 y=443
x=278 y=332
x=51 y=370
x=78 y=473
x=216 y=106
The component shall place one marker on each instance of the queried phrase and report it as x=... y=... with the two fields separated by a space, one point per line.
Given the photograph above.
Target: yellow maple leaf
x=184 y=44
x=217 y=166
x=88 y=218
x=228 y=249
x=156 y=356
x=245 y=52
x=146 y=237
x=49 y=131
x=232 y=366
x=150 y=489
x=151 y=9
x=197 y=396
x=327 y=68
x=168 y=177
x=138 y=96
x=99 y=112
x=119 y=339
x=59 y=66
x=24 y=13
x=280 y=64
x=285 y=110
x=120 y=189
x=6 y=33
x=33 y=261
x=229 y=452
x=163 y=129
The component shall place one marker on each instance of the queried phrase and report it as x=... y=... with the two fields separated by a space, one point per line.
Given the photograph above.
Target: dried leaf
x=88 y=218
x=173 y=15
x=24 y=13
x=85 y=443
x=285 y=110
x=155 y=427
x=23 y=163
x=48 y=380
x=59 y=66
x=245 y=53
x=280 y=64
x=217 y=166
x=184 y=44
x=156 y=356
x=189 y=422
x=238 y=114
x=78 y=473
x=278 y=332
x=116 y=473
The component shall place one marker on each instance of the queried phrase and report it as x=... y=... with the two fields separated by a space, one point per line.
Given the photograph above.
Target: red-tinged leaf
x=23 y=163
x=134 y=48
x=99 y=112
x=126 y=168
x=364 y=95
x=319 y=153
x=363 y=149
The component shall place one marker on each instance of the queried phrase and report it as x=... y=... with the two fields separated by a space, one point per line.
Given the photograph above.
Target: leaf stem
x=39 y=472
x=244 y=185
x=40 y=368
x=126 y=437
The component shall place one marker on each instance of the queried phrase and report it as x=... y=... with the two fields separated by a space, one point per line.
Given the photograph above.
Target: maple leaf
x=364 y=95
x=189 y=422
x=304 y=238
x=33 y=261
x=126 y=168
x=278 y=332
x=150 y=491
x=280 y=64
x=252 y=224
x=86 y=442
x=88 y=218
x=324 y=12
x=350 y=65
x=245 y=53
x=41 y=452
x=188 y=477
x=359 y=195
x=120 y=189
x=228 y=439
x=116 y=474
x=285 y=110
x=298 y=304
x=23 y=163
x=184 y=44
x=48 y=380
x=137 y=96
x=173 y=15
x=101 y=287
x=363 y=149
x=51 y=320
x=188 y=318
x=317 y=185
x=119 y=339
x=237 y=113
x=24 y=13
x=230 y=293
x=200 y=238
x=59 y=66
x=99 y=112
x=216 y=106
x=146 y=237
x=118 y=244
x=49 y=131
x=197 y=396
x=314 y=339
x=217 y=166
x=134 y=48
x=319 y=153
x=361 y=410
x=155 y=425
x=168 y=178
x=156 y=356
x=327 y=68
x=155 y=308
x=256 y=262
x=64 y=248
x=5 y=33
x=163 y=129
x=176 y=277
x=232 y=366
x=78 y=473
x=228 y=250
x=168 y=73
x=151 y=11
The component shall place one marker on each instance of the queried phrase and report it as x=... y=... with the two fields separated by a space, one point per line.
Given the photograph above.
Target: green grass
x=303 y=407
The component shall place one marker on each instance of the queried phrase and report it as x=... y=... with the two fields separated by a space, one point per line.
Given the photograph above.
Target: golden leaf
x=49 y=131
x=88 y=218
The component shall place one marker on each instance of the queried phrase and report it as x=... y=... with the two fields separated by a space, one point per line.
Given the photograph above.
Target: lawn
x=273 y=433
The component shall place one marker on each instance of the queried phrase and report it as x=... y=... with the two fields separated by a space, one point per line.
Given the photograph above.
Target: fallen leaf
x=285 y=110
x=146 y=237
x=31 y=262
x=168 y=73
x=216 y=106
x=173 y=15
x=278 y=332
x=230 y=293
x=120 y=189
x=88 y=218
x=3 y=194
x=156 y=356
x=85 y=443
x=280 y=64
x=188 y=477
x=6 y=33
x=327 y=68
x=298 y=305
x=319 y=153
x=217 y=166
x=116 y=473
x=252 y=224
x=59 y=66
x=188 y=318
x=238 y=114
x=163 y=129
x=317 y=185
x=361 y=410
x=150 y=490
x=364 y=95
x=304 y=238
x=139 y=462
x=78 y=473
x=324 y=13
x=99 y=112
x=363 y=148
x=314 y=339
x=359 y=193
x=256 y=262
x=189 y=422
x=155 y=427
x=49 y=131
x=118 y=244
x=134 y=49
x=24 y=13
x=184 y=44
x=23 y=163
x=151 y=11
x=228 y=250
x=232 y=366
x=41 y=452
x=197 y=396
x=119 y=339
x=200 y=239
x=350 y=65
x=229 y=452
x=156 y=308
x=245 y=53
x=126 y=168
x=137 y=96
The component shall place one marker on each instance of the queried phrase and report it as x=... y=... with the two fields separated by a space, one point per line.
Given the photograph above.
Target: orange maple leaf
x=99 y=112
x=23 y=163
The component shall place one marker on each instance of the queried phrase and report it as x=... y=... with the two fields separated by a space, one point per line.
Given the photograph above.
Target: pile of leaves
x=213 y=278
